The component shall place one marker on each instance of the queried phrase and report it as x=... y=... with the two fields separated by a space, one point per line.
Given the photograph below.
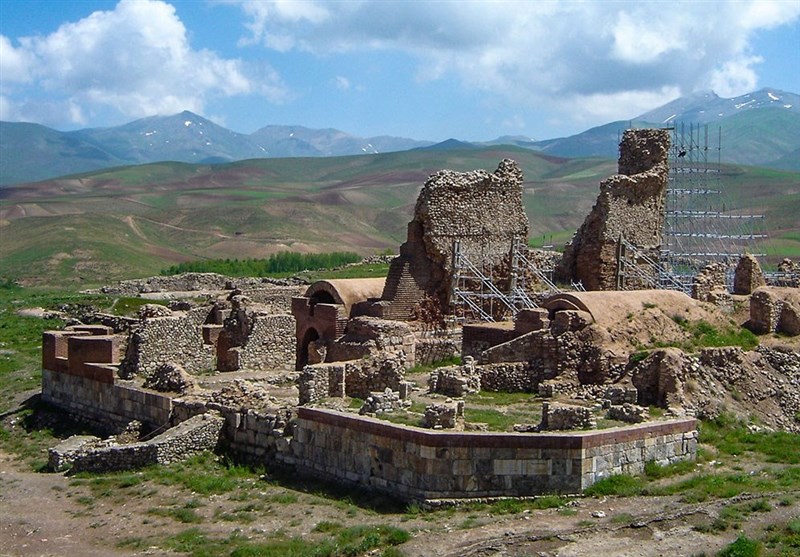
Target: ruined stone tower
x=630 y=206
x=480 y=209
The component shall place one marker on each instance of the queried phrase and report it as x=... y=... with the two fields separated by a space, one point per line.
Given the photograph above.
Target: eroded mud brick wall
x=483 y=210
x=630 y=204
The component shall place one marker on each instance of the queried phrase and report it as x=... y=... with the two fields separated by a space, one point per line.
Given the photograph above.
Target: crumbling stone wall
x=774 y=309
x=630 y=205
x=660 y=376
x=709 y=284
x=195 y=282
x=748 y=275
x=256 y=339
x=198 y=434
x=174 y=339
x=373 y=337
x=354 y=378
x=566 y=416
x=483 y=210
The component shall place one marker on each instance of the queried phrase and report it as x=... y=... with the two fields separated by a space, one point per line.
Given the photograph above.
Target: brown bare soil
x=51 y=514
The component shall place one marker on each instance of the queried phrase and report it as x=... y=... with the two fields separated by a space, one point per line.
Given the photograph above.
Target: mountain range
x=761 y=128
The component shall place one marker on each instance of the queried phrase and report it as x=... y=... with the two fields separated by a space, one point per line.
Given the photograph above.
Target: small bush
x=742 y=547
x=618 y=484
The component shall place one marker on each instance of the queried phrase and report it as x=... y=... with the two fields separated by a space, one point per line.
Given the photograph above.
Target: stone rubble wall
x=709 y=285
x=355 y=378
x=628 y=413
x=198 y=434
x=566 y=416
x=444 y=415
x=192 y=282
x=748 y=275
x=630 y=204
x=430 y=350
x=775 y=310
x=174 y=339
x=423 y=465
x=457 y=381
x=371 y=337
x=483 y=210
x=380 y=403
x=270 y=344
x=509 y=377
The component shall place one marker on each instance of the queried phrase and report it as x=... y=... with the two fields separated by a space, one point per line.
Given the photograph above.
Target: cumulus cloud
x=562 y=53
x=135 y=60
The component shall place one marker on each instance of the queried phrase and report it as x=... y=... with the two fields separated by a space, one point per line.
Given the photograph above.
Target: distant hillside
x=703 y=108
x=135 y=220
x=31 y=152
x=759 y=128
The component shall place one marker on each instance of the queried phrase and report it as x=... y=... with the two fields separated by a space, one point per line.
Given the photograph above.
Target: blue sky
x=473 y=70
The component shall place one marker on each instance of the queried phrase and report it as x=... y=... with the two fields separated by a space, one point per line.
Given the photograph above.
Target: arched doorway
x=309 y=336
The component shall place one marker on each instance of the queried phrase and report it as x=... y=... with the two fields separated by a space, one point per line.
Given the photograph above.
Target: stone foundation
x=424 y=465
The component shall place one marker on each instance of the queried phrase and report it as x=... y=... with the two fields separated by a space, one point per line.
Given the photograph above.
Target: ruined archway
x=311 y=335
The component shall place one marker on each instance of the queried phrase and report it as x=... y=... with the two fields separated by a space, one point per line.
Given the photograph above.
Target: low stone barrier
x=423 y=465
x=195 y=435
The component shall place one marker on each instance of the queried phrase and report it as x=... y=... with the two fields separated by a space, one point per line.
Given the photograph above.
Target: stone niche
x=482 y=210
x=630 y=205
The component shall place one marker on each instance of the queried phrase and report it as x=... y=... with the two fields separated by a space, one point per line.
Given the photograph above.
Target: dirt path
x=39 y=519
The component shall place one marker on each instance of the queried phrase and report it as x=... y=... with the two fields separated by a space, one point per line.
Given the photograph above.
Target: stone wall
x=174 y=339
x=257 y=341
x=774 y=309
x=510 y=377
x=482 y=210
x=355 y=378
x=428 y=350
x=107 y=406
x=79 y=375
x=630 y=205
x=748 y=275
x=196 y=282
x=198 y=434
x=566 y=416
x=423 y=465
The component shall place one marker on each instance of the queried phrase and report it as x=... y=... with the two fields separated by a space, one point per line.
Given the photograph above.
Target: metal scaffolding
x=475 y=294
x=699 y=228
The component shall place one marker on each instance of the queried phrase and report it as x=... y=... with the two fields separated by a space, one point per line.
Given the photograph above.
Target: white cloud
x=578 y=54
x=14 y=62
x=135 y=60
x=342 y=83
x=735 y=76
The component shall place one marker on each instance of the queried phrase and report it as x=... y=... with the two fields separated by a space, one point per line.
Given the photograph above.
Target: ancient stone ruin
x=630 y=206
x=480 y=210
x=302 y=376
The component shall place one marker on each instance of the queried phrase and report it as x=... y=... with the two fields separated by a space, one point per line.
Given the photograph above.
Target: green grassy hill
x=133 y=221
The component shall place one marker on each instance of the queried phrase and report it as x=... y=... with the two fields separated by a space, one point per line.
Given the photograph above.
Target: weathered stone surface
x=482 y=210
x=630 y=205
x=169 y=377
x=709 y=284
x=748 y=275
x=566 y=416
x=444 y=415
x=628 y=412
x=774 y=309
x=659 y=377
